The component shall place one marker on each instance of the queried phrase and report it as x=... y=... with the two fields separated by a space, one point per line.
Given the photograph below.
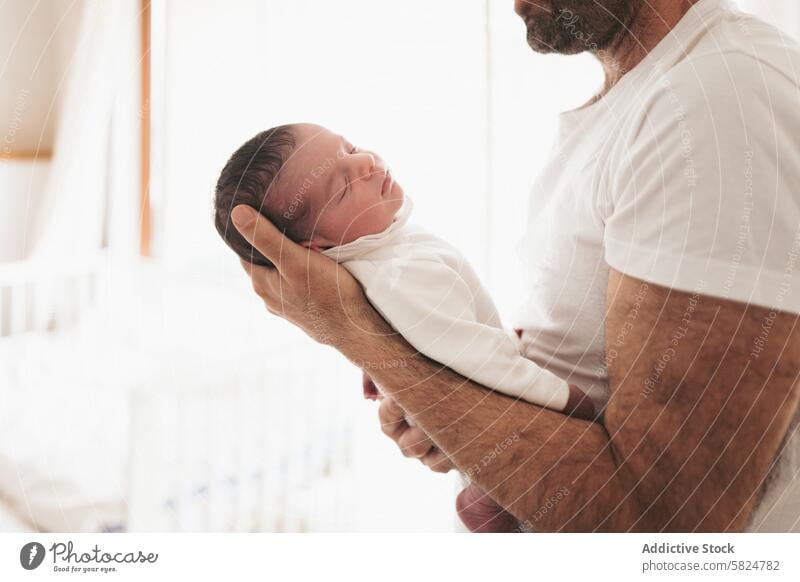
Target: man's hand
x=321 y=298
x=412 y=441
x=305 y=287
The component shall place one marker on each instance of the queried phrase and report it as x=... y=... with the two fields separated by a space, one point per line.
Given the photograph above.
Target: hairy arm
x=701 y=398
x=698 y=409
x=703 y=392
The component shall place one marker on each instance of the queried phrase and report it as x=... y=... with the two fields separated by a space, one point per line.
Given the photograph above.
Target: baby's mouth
x=387 y=183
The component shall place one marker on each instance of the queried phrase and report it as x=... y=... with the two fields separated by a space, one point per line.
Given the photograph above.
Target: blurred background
x=143 y=387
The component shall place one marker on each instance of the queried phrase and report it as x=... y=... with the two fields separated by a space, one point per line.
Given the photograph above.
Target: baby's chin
x=394 y=202
x=374 y=221
x=395 y=198
x=387 y=215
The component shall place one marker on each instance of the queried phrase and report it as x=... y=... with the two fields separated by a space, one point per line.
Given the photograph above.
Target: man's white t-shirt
x=685 y=174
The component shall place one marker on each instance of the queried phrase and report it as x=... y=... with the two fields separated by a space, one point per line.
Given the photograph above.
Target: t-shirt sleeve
x=705 y=192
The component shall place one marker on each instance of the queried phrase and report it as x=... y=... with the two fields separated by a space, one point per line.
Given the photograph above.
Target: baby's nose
x=365 y=164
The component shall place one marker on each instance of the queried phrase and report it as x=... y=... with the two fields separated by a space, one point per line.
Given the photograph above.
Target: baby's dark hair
x=249 y=177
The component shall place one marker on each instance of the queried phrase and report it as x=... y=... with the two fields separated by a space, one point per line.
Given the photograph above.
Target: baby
x=328 y=195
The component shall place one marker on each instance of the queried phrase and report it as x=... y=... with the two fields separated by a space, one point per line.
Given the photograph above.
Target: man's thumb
x=262 y=234
x=243 y=216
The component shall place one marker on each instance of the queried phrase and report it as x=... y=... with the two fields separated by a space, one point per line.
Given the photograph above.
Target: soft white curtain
x=95 y=143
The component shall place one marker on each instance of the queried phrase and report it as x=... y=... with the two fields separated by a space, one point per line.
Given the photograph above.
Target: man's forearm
x=551 y=471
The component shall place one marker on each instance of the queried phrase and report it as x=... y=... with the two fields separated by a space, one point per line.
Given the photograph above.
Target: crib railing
x=38 y=295
x=265 y=445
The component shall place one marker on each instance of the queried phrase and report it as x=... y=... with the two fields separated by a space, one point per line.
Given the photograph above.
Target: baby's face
x=350 y=191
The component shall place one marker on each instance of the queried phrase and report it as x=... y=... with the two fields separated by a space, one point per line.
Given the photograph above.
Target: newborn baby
x=328 y=195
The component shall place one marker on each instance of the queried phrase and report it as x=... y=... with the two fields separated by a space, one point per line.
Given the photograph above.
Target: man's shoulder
x=730 y=90
x=739 y=56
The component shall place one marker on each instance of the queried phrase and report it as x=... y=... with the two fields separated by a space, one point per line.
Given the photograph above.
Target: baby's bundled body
x=328 y=195
x=431 y=295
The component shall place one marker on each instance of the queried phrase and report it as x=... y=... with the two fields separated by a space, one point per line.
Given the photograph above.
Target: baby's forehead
x=317 y=141
x=299 y=184
x=305 y=172
x=310 y=163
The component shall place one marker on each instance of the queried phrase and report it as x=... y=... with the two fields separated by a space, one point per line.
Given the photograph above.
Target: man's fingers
x=264 y=279
x=392 y=417
x=263 y=235
x=414 y=443
x=266 y=284
x=252 y=269
x=370 y=390
x=437 y=461
x=411 y=440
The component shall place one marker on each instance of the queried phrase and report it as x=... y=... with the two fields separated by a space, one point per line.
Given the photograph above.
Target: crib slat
x=39 y=295
x=5 y=311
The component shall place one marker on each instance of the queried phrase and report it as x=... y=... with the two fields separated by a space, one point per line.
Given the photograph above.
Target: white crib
x=197 y=411
x=263 y=446
x=39 y=297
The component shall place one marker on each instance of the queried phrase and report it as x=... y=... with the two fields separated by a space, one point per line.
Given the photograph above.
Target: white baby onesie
x=430 y=294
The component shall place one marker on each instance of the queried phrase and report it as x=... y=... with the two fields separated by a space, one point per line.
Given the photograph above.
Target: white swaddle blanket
x=431 y=295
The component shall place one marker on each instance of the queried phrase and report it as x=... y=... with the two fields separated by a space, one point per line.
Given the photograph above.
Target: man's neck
x=654 y=20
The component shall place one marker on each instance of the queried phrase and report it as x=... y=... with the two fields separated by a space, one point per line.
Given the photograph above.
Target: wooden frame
x=144 y=176
x=26 y=156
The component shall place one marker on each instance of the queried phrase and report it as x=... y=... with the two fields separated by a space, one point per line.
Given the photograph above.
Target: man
x=663 y=249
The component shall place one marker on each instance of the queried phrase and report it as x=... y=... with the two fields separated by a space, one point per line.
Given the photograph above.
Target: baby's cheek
x=372 y=221
x=360 y=223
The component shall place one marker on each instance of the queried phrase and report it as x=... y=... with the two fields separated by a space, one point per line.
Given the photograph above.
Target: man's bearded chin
x=572 y=26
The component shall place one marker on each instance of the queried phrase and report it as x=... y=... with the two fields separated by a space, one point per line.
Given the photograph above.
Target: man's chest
x=562 y=256
x=562 y=246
